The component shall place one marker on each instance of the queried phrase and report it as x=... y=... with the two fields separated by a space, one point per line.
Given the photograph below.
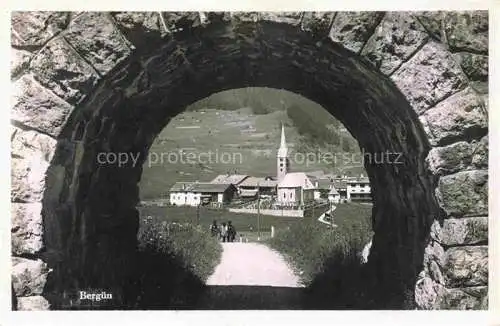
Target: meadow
x=328 y=258
x=244 y=223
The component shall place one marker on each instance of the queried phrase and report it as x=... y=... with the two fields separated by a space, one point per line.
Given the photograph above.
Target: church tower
x=282 y=161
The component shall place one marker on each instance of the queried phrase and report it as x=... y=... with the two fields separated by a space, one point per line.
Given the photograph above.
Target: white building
x=334 y=196
x=197 y=193
x=181 y=194
x=359 y=189
x=295 y=189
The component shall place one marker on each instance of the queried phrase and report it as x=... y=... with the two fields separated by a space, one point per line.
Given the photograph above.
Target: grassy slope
x=250 y=135
x=309 y=245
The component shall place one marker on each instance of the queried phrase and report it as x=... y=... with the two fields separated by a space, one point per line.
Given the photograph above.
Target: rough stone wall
x=438 y=60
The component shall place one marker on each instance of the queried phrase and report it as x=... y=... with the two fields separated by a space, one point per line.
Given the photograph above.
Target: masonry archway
x=109 y=83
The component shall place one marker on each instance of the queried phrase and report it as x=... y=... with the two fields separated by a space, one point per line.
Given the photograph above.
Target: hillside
x=242 y=139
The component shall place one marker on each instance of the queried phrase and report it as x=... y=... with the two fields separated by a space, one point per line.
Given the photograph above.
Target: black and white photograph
x=249 y=160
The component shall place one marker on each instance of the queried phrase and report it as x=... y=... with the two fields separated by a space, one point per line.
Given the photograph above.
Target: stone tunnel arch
x=88 y=83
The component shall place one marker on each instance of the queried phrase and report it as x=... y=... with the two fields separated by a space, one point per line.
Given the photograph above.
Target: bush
x=173 y=262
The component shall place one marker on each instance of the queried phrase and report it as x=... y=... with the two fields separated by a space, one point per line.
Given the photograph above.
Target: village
x=287 y=192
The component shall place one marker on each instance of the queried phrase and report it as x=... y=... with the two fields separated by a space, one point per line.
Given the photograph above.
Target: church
x=294 y=188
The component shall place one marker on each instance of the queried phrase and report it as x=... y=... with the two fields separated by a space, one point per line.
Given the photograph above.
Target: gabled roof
x=181 y=186
x=210 y=187
x=229 y=178
x=358 y=180
x=258 y=182
x=205 y=187
x=333 y=191
x=248 y=192
x=296 y=180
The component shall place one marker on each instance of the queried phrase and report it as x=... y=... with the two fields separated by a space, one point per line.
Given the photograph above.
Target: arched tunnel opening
x=90 y=209
x=93 y=83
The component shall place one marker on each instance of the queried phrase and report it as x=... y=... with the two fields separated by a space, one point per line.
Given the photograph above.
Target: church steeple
x=283 y=150
x=282 y=159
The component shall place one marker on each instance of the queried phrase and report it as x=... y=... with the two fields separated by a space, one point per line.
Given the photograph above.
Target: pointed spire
x=283 y=140
x=283 y=150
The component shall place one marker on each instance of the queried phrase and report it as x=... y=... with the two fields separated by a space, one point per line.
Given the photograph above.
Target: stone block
x=450 y=159
x=396 y=38
x=464 y=193
x=462 y=231
x=26 y=228
x=28 y=179
x=140 y=27
x=462 y=116
x=318 y=23
x=467 y=31
x=30 y=144
x=34 y=303
x=352 y=29
x=469 y=298
x=19 y=61
x=36 y=107
x=474 y=65
x=429 y=76
x=28 y=276
x=59 y=68
x=98 y=41
x=32 y=29
x=428 y=293
x=466 y=266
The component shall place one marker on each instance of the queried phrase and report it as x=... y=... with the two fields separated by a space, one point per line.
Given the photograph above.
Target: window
x=284 y=196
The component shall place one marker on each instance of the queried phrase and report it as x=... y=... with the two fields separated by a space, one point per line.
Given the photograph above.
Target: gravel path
x=252 y=276
x=252 y=264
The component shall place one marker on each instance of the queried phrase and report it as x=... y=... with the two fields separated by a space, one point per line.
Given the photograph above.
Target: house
x=334 y=196
x=197 y=193
x=323 y=187
x=252 y=186
x=179 y=194
x=295 y=189
x=214 y=193
x=358 y=189
x=340 y=185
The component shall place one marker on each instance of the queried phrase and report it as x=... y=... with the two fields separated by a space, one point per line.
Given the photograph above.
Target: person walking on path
x=224 y=232
x=214 y=229
x=231 y=231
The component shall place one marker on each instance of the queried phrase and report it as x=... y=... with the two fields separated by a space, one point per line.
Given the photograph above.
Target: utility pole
x=258 y=211
x=198 y=214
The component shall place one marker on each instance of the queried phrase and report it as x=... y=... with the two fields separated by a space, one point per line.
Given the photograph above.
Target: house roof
x=248 y=192
x=325 y=183
x=339 y=183
x=181 y=186
x=333 y=191
x=210 y=187
x=205 y=187
x=358 y=180
x=258 y=182
x=296 y=180
x=229 y=178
